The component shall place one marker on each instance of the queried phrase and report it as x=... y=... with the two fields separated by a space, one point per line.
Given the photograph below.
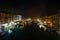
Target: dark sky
x=30 y=7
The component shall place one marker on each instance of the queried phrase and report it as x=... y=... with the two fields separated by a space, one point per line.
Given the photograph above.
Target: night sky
x=30 y=7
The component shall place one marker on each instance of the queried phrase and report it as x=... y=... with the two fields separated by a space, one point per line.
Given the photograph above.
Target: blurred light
x=17 y=22
x=42 y=26
x=5 y=25
x=45 y=23
x=49 y=23
x=19 y=17
x=41 y=22
x=13 y=23
x=29 y=19
x=9 y=31
x=38 y=20
x=10 y=25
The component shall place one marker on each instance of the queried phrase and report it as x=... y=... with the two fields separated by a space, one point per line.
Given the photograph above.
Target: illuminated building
x=53 y=21
x=5 y=17
x=17 y=17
